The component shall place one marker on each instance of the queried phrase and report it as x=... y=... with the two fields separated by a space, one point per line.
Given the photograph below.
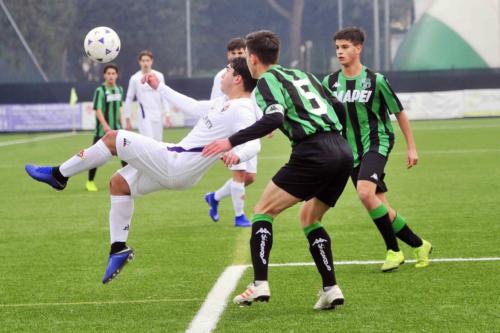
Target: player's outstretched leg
x=120 y=218
x=47 y=174
x=261 y=243
x=238 y=199
x=92 y=157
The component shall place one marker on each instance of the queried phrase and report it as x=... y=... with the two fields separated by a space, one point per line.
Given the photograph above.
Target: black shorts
x=371 y=168
x=319 y=167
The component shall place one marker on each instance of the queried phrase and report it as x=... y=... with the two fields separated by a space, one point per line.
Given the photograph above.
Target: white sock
x=224 y=191
x=238 y=196
x=120 y=216
x=87 y=159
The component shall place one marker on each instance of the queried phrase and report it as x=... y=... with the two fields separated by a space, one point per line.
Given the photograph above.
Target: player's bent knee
x=118 y=185
x=365 y=194
x=109 y=140
x=249 y=178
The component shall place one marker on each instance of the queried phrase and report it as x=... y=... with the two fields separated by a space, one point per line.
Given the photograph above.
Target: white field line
x=207 y=317
x=36 y=139
x=209 y=314
x=139 y=301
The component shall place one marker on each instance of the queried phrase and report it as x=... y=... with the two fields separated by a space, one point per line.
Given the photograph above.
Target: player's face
x=110 y=76
x=347 y=52
x=235 y=53
x=146 y=63
x=228 y=80
x=251 y=63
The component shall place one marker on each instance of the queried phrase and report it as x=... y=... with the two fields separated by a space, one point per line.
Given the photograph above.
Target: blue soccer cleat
x=242 y=221
x=116 y=262
x=44 y=174
x=213 y=204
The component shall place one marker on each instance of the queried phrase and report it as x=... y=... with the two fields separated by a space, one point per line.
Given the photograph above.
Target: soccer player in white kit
x=243 y=173
x=151 y=106
x=153 y=165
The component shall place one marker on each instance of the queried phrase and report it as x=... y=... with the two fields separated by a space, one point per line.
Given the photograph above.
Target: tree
x=294 y=18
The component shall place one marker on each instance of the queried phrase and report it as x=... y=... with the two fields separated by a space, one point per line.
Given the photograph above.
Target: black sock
x=407 y=236
x=380 y=216
x=261 y=243
x=58 y=175
x=117 y=247
x=320 y=246
x=92 y=173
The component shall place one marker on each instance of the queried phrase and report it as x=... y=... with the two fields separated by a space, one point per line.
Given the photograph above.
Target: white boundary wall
x=421 y=105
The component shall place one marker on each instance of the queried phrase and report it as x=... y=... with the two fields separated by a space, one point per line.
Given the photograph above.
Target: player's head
x=110 y=72
x=349 y=44
x=263 y=49
x=235 y=48
x=145 y=59
x=237 y=76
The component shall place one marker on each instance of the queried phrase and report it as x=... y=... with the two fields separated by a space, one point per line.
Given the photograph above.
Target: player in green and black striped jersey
x=107 y=103
x=369 y=100
x=317 y=172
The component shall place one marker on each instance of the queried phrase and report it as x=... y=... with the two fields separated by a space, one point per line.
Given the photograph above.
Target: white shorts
x=152 y=167
x=249 y=166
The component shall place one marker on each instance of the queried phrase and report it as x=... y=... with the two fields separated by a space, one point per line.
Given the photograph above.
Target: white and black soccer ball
x=102 y=44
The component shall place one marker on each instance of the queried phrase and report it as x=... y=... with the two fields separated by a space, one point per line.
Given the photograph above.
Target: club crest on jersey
x=225 y=108
x=274 y=108
x=336 y=85
x=81 y=154
x=366 y=83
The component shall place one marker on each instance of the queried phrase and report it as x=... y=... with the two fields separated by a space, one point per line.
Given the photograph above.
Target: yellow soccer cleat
x=422 y=254
x=91 y=187
x=393 y=260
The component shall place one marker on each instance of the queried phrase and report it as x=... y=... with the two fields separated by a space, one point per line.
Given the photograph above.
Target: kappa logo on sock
x=263 y=231
x=81 y=154
x=127 y=227
x=319 y=241
x=126 y=142
x=374 y=176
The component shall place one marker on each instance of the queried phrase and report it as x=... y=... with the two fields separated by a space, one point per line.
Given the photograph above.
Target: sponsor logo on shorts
x=126 y=142
x=374 y=176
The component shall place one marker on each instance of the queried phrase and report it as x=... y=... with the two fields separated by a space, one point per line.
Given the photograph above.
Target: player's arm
x=270 y=99
x=182 y=102
x=395 y=107
x=166 y=106
x=98 y=104
x=102 y=120
x=131 y=93
x=244 y=152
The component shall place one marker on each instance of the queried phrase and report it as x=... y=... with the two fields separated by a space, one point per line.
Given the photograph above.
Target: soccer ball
x=102 y=44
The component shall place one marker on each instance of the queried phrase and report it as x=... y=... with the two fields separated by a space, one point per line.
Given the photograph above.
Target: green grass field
x=53 y=246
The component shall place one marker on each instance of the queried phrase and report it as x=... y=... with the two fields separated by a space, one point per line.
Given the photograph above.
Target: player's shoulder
x=157 y=73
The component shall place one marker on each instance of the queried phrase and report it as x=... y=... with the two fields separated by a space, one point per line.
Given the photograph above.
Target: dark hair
x=236 y=44
x=240 y=67
x=265 y=45
x=145 y=53
x=110 y=65
x=353 y=34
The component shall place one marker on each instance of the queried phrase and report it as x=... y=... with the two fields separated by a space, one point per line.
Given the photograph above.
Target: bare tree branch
x=279 y=9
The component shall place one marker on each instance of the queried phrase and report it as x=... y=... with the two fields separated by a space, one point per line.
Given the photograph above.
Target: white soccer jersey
x=155 y=165
x=151 y=105
x=216 y=92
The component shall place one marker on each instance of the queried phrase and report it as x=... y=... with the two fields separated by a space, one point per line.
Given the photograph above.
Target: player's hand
x=168 y=122
x=128 y=124
x=216 y=147
x=412 y=158
x=229 y=158
x=151 y=79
